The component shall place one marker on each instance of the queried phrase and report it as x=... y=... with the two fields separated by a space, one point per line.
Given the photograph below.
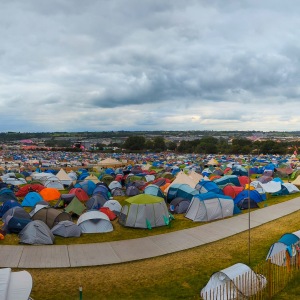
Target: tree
x=135 y=142
x=159 y=144
x=171 y=146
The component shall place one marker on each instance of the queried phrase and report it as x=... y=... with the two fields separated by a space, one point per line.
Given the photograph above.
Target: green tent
x=75 y=207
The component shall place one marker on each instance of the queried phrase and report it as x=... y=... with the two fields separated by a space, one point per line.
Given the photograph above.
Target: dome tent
x=66 y=229
x=144 y=211
x=51 y=216
x=235 y=282
x=94 y=221
x=36 y=233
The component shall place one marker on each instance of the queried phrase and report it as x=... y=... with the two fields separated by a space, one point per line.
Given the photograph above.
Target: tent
x=54 y=182
x=7 y=205
x=235 y=282
x=117 y=192
x=24 y=190
x=181 y=190
x=115 y=184
x=80 y=194
x=75 y=207
x=50 y=194
x=14 y=224
x=87 y=185
x=110 y=162
x=51 y=216
x=205 y=186
x=179 y=205
x=182 y=178
x=15 y=285
x=132 y=191
x=95 y=202
x=232 y=191
x=210 y=206
x=111 y=215
x=94 y=221
x=233 y=179
x=64 y=178
x=113 y=205
x=102 y=189
x=144 y=211
x=16 y=211
x=242 y=199
x=287 y=242
x=7 y=194
x=36 y=233
x=66 y=229
x=31 y=199
x=154 y=190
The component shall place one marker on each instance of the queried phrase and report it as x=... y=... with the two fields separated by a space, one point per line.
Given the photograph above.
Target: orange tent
x=50 y=194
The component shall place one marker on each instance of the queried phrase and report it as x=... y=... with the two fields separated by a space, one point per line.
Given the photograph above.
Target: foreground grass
x=291 y=291
x=179 y=275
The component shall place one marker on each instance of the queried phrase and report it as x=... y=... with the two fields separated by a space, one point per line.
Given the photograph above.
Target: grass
x=180 y=275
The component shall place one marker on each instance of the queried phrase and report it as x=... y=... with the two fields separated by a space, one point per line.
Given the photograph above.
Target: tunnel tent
x=238 y=281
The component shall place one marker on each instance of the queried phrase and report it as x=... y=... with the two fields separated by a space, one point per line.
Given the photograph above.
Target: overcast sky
x=101 y=65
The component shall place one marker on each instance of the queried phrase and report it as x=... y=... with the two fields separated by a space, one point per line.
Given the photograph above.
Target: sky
x=101 y=65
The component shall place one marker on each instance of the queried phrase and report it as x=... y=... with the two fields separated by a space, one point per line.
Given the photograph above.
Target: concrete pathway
x=129 y=250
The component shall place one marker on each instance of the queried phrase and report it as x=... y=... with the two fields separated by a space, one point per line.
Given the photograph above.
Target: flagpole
x=249 y=222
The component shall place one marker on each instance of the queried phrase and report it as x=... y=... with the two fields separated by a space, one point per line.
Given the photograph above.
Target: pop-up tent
x=36 y=233
x=235 y=282
x=94 y=221
x=15 y=285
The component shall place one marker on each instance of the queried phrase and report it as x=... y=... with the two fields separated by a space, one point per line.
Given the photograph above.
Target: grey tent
x=66 y=229
x=117 y=192
x=179 y=205
x=36 y=233
x=94 y=221
x=51 y=216
x=18 y=212
x=132 y=191
x=95 y=202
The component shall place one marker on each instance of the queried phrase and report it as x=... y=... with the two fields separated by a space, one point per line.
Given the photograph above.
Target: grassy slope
x=179 y=275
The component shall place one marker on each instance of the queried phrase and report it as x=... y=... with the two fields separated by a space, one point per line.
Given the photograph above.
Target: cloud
x=149 y=65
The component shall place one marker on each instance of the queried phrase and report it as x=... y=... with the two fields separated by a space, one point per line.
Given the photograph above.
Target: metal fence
x=261 y=283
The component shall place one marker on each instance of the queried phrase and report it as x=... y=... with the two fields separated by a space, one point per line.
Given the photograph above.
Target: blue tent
x=242 y=199
x=154 y=190
x=7 y=205
x=31 y=199
x=205 y=186
x=181 y=190
x=87 y=185
x=226 y=179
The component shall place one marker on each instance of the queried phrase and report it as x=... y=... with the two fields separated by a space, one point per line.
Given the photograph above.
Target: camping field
x=179 y=275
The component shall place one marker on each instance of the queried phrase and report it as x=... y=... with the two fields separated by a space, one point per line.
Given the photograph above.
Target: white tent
x=94 y=221
x=64 y=178
x=235 y=282
x=182 y=178
x=113 y=205
x=15 y=285
x=291 y=187
x=110 y=162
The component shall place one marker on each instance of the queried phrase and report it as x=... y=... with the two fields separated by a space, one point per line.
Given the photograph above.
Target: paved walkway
x=129 y=250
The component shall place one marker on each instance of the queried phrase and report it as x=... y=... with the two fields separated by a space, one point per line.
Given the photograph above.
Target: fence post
x=288 y=261
x=80 y=293
x=270 y=279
